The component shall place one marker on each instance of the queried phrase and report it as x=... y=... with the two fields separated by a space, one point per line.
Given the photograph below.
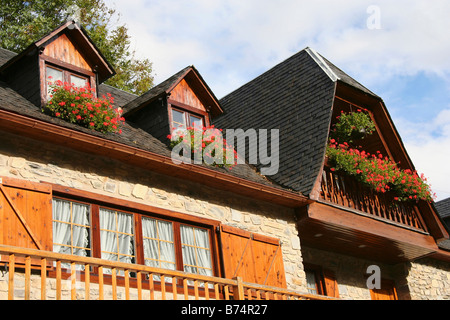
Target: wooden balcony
x=352 y=219
x=345 y=191
x=30 y=274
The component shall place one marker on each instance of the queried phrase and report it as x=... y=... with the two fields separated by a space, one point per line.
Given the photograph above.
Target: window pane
x=116 y=236
x=52 y=76
x=71 y=228
x=195 y=121
x=159 y=248
x=178 y=120
x=196 y=250
x=311 y=282
x=78 y=81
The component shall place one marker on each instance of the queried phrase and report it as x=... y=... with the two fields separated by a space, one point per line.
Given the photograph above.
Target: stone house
x=81 y=209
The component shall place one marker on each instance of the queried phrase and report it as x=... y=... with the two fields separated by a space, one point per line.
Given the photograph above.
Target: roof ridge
x=322 y=64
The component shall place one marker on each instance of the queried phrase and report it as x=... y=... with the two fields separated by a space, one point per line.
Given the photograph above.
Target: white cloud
x=428 y=145
x=247 y=37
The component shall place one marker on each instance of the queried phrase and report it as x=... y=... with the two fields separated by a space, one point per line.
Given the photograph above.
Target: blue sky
x=398 y=49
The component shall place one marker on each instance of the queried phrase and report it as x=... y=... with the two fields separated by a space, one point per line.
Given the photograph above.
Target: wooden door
x=386 y=292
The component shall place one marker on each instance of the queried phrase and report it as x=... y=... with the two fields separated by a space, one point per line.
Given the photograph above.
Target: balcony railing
x=31 y=274
x=344 y=191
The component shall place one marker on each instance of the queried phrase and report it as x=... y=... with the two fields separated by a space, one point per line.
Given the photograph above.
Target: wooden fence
x=73 y=277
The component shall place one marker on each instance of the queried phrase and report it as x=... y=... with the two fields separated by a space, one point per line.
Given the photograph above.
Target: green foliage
x=23 y=22
x=352 y=126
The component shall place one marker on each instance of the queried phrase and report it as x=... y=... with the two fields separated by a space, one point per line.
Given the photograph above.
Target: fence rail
x=43 y=275
x=345 y=191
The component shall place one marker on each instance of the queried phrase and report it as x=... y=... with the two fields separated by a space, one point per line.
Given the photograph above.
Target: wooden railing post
x=238 y=289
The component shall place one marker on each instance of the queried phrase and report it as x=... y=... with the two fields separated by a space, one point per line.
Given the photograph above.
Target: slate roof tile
x=296 y=97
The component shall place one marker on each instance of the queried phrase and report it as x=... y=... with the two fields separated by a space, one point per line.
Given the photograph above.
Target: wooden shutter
x=255 y=258
x=25 y=214
x=331 y=285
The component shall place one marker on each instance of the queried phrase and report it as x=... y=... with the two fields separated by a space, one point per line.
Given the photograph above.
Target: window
x=321 y=281
x=91 y=229
x=196 y=250
x=183 y=119
x=159 y=246
x=314 y=281
x=116 y=236
x=54 y=74
x=71 y=228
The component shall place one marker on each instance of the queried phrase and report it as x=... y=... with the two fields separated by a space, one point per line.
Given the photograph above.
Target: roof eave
x=48 y=132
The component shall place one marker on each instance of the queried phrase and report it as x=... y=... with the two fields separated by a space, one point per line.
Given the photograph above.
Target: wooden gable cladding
x=62 y=49
x=25 y=214
x=184 y=94
x=191 y=91
x=255 y=258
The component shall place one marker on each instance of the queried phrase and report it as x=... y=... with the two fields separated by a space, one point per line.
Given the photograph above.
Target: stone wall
x=429 y=280
x=425 y=279
x=35 y=161
x=351 y=273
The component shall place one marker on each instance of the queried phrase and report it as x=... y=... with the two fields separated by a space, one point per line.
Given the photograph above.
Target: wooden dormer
x=67 y=54
x=182 y=100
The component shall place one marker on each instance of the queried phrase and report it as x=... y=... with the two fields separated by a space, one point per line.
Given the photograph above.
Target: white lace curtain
x=196 y=252
x=159 y=248
x=71 y=235
x=116 y=236
x=70 y=227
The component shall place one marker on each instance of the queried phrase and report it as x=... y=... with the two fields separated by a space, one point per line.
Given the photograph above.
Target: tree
x=23 y=22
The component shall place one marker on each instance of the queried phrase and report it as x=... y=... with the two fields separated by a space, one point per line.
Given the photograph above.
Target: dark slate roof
x=131 y=135
x=342 y=76
x=295 y=97
x=6 y=55
x=443 y=208
x=121 y=98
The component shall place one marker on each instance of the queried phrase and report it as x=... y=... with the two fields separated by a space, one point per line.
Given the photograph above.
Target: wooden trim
x=27 y=185
x=67 y=66
x=123 y=204
x=236 y=231
x=184 y=107
x=266 y=239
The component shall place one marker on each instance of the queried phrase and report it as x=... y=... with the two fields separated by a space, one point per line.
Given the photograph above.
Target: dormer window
x=66 y=54
x=54 y=74
x=182 y=119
